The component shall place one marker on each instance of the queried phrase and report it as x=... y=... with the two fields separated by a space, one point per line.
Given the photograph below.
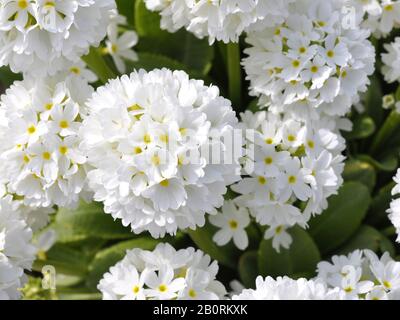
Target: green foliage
x=342 y=218
x=301 y=258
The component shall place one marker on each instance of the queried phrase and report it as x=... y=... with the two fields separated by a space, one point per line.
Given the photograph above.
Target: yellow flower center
x=75 y=70
x=262 y=180
x=314 y=69
x=389 y=7
x=63 y=150
x=22 y=4
x=292 y=179
x=268 y=160
x=192 y=293
x=302 y=50
x=162 y=288
x=147 y=138
x=137 y=150
x=296 y=63
x=330 y=54
x=48 y=106
x=164 y=183
x=233 y=224
x=155 y=160
x=291 y=138
x=31 y=129
x=136 y=289
x=64 y=124
x=46 y=155
x=269 y=141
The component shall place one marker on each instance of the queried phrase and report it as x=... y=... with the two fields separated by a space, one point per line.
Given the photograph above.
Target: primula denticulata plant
x=200 y=149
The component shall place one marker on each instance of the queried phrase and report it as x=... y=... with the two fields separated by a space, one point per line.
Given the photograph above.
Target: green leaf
x=89 y=220
x=360 y=171
x=106 y=258
x=343 y=217
x=127 y=9
x=98 y=65
x=147 y=23
x=226 y=255
x=366 y=237
x=301 y=257
x=388 y=164
x=195 y=54
x=363 y=127
x=150 y=61
x=7 y=77
x=373 y=101
x=248 y=268
x=380 y=203
x=66 y=260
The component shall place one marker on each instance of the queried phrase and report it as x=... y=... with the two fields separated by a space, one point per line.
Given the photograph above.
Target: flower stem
x=95 y=61
x=235 y=74
x=392 y=122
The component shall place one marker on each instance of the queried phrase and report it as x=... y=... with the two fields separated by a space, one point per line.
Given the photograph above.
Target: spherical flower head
x=147 y=138
x=394 y=210
x=218 y=20
x=16 y=252
x=379 y=16
x=362 y=274
x=43 y=164
x=41 y=37
x=313 y=64
x=287 y=162
x=391 y=61
x=163 y=274
x=285 y=288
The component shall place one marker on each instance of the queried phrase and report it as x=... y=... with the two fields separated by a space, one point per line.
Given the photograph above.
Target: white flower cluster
x=147 y=137
x=40 y=36
x=222 y=20
x=394 y=210
x=285 y=288
x=314 y=63
x=391 y=61
x=16 y=252
x=42 y=164
x=119 y=45
x=379 y=16
x=163 y=274
x=361 y=275
x=290 y=163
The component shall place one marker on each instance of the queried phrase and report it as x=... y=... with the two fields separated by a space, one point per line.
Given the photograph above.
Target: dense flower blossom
x=219 y=20
x=42 y=164
x=285 y=288
x=362 y=274
x=312 y=64
x=394 y=210
x=163 y=274
x=40 y=37
x=379 y=16
x=290 y=162
x=145 y=137
x=16 y=252
x=391 y=61
x=359 y=275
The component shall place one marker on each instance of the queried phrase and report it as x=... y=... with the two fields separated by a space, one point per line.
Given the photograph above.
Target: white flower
x=41 y=37
x=218 y=20
x=43 y=164
x=119 y=46
x=391 y=61
x=232 y=221
x=309 y=65
x=359 y=275
x=16 y=252
x=394 y=210
x=285 y=288
x=291 y=161
x=164 y=274
x=379 y=16
x=44 y=243
x=145 y=137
